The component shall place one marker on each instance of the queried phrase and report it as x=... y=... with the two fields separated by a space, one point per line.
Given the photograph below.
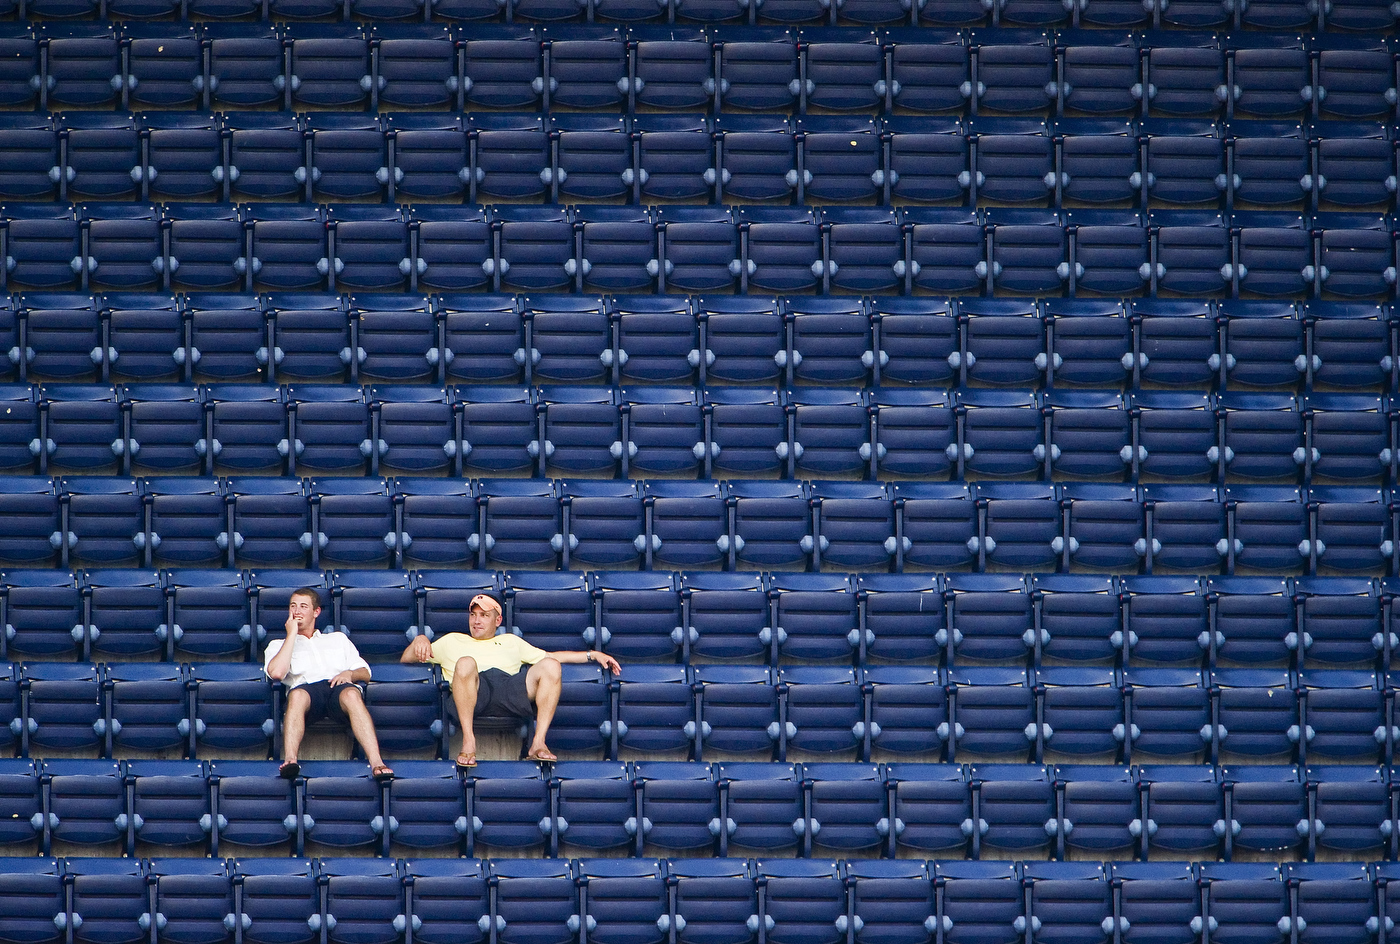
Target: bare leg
x=361 y=724
x=294 y=724
x=544 y=683
x=464 y=690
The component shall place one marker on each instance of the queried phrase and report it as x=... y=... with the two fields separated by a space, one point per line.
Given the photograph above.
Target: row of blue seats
x=535 y=524
x=1346 y=15
x=185 y=67
x=635 y=341
x=693 y=617
x=762 y=249
x=679 y=432
x=646 y=808
x=543 y=524
x=708 y=711
x=1354 y=15
x=93 y=521
x=747 y=158
x=846 y=901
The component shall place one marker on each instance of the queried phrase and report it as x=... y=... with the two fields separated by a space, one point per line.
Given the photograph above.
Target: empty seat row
x=83 y=433
x=733 y=158
x=1245 y=716
x=553 y=248
x=538 y=900
x=813 y=810
x=824 y=526
x=636 y=341
x=993 y=71
x=604 y=432
x=861 y=12
x=1354 y=15
x=695 y=617
x=359 y=521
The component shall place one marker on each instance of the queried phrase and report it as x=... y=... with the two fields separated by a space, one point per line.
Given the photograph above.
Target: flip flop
x=383 y=773
x=541 y=756
x=466 y=759
x=291 y=770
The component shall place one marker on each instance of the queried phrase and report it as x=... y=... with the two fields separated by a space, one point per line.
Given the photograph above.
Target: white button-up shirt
x=318 y=657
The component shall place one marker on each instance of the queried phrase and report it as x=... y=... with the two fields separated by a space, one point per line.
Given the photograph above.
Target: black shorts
x=501 y=695
x=325 y=701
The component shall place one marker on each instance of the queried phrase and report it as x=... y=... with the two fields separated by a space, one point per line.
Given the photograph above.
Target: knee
x=465 y=668
x=350 y=697
x=297 y=703
x=549 y=669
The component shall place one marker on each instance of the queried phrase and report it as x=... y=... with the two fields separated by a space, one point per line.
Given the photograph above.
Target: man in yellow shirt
x=486 y=677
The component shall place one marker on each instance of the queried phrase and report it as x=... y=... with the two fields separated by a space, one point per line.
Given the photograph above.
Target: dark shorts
x=500 y=695
x=325 y=701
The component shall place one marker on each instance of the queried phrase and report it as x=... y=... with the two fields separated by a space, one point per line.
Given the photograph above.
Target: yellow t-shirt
x=506 y=652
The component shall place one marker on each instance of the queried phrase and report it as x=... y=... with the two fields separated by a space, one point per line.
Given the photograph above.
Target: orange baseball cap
x=486 y=602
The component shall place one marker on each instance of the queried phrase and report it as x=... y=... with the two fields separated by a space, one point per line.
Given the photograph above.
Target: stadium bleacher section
x=973 y=424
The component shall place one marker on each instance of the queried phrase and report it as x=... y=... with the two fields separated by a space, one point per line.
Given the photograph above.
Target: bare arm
x=419 y=650
x=574 y=656
x=281 y=663
x=354 y=675
x=359 y=670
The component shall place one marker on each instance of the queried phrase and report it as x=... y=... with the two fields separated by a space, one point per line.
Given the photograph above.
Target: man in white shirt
x=325 y=677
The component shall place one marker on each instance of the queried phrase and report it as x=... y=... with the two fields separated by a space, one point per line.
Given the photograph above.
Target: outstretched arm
x=590 y=655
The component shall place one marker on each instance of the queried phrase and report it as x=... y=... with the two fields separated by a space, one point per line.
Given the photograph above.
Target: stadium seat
x=430 y=156
x=701 y=245
x=374 y=608
x=773 y=520
x=418 y=66
x=276 y=894
x=266 y=157
x=726 y=615
x=917 y=339
x=86 y=799
x=914 y=432
x=658 y=338
x=1089 y=433
x=208 y=253
x=209 y=614
x=23 y=794
x=447 y=598
x=1016 y=802
x=362 y=895
x=1353 y=164
x=169 y=802
x=1100 y=802
x=681 y=800
x=928 y=157
x=233 y=708
x=654 y=711
x=271 y=522
x=993 y=708
x=193 y=894
x=687 y=525
x=929 y=799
